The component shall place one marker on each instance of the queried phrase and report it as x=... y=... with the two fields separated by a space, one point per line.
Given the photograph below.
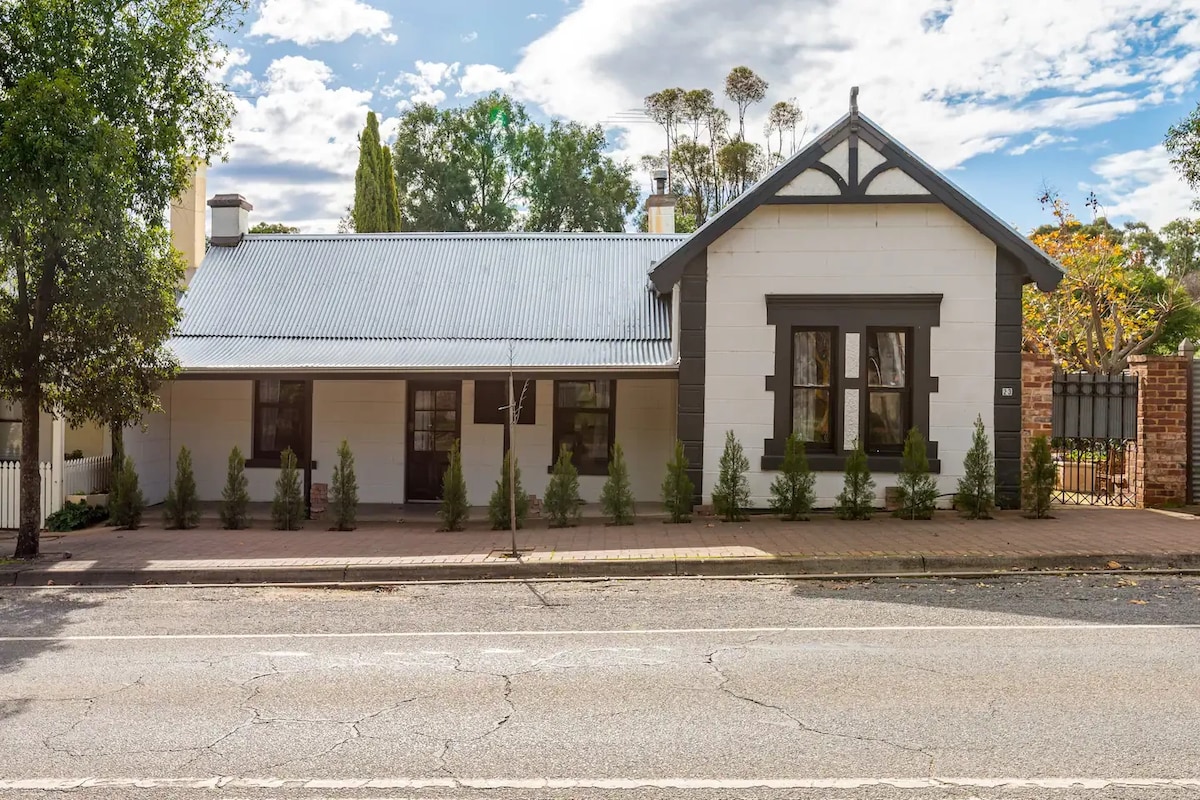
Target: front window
x=278 y=417
x=584 y=422
x=812 y=373
x=889 y=413
x=10 y=431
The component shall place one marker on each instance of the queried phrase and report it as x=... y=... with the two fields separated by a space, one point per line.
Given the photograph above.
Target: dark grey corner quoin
x=1018 y=262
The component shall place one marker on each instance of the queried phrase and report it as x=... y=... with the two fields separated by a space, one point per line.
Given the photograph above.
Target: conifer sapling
x=562 y=492
x=616 y=498
x=498 y=505
x=1038 y=478
x=454 y=510
x=343 y=496
x=181 y=510
x=235 y=497
x=916 y=488
x=126 y=502
x=677 y=487
x=792 y=491
x=857 y=498
x=287 y=509
x=976 y=496
x=731 y=494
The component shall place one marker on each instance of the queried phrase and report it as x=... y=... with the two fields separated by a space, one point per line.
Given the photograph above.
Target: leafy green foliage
x=616 y=498
x=455 y=509
x=103 y=106
x=678 y=491
x=376 y=204
x=73 y=516
x=976 y=496
x=792 y=492
x=343 y=491
x=475 y=168
x=182 y=507
x=499 y=508
x=562 y=500
x=1183 y=143
x=235 y=497
x=1039 y=474
x=731 y=494
x=125 y=501
x=857 y=498
x=273 y=227
x=287 y=508
x=916 y=488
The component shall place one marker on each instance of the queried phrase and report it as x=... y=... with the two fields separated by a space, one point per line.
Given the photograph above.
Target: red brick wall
x=1037 y=391
x=1162 y=441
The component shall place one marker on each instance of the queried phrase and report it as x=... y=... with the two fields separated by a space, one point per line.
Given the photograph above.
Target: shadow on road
x=1111 y=599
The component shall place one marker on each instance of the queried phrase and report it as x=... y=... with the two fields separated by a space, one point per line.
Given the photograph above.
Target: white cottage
x=851 y=294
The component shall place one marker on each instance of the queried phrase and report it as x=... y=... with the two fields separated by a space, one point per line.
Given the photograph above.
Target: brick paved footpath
x=1076 y=537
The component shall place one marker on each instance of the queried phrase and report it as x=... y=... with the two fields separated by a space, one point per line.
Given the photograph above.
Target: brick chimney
x=230 y=219
x=187 y=221
x=660 y=206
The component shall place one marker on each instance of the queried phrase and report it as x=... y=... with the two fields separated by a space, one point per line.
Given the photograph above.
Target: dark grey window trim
x=260 y=457
x=557 y=427
x=851 y=313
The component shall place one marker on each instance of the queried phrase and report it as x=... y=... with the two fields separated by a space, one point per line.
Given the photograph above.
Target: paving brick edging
x=615 y=568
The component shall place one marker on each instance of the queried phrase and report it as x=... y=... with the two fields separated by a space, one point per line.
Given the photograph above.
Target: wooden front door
x=434 y=423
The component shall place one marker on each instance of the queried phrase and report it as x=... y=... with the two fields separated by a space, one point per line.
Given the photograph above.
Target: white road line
x=139 y=637
x=611 y=784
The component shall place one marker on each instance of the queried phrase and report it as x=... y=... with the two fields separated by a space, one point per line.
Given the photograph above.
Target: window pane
x=287 y=430
x=586 y=434
x=886 y=360
x=811 y=358
x=267 y=425
x=268 y=391
x=291 y=393
x=887 y=424
x=10 y=440
x=584 y=394
x=810 y=414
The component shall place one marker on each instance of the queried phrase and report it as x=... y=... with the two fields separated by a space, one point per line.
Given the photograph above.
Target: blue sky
x=1006 y=97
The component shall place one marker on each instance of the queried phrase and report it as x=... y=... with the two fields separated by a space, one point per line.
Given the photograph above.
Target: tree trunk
x=117 y=432
x=28 y=538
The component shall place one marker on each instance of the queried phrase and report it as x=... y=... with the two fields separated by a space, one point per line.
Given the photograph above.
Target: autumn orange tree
x=1108 y=307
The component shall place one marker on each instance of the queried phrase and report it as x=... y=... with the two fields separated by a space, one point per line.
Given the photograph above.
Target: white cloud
x=225 y=63
x=483 y=78
x=307 y=22
x=950 y=80
x=1043 y=139
x=1141 y=184
x=423 y=86
x=295 y=146
x=470 y=37
x=535 y=16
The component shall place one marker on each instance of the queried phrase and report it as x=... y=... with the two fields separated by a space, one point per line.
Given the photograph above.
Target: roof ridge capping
x=1037 y=265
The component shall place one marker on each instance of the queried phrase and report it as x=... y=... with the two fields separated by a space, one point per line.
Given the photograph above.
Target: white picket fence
x=88 y=475
x=10 y=494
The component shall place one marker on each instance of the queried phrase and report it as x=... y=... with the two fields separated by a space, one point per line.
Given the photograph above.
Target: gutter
x=676 y=327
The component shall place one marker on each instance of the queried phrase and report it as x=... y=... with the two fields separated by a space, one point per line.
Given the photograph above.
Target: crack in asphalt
x=710 y=660
x=91 y=706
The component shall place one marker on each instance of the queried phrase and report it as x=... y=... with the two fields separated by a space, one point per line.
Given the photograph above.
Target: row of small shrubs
x=561 y=504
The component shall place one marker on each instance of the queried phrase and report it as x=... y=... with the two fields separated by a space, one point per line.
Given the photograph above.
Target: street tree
x=744 y=88
x=273 y=227
x=103 y=108
x=1183 y=143
x=376 y=205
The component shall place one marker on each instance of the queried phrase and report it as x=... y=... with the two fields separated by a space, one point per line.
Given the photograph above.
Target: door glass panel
x=423 y=421
x=445 y=420
x=423 y=400
x=444 y=442
x=422 y=442
x=447 y=399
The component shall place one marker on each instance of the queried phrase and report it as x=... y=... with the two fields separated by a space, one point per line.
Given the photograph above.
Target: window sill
x=832 y=462
x=272 y=463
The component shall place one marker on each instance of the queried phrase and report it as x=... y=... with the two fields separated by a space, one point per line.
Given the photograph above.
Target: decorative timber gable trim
x=856 y=162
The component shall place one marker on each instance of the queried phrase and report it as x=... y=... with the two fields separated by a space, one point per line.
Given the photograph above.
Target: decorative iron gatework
x=1094 y=438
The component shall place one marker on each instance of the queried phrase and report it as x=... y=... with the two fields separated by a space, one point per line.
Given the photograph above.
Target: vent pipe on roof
x=660 y=206
x=230 y=219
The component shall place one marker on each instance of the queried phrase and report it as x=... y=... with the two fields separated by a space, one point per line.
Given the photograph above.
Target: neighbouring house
x=851 y=294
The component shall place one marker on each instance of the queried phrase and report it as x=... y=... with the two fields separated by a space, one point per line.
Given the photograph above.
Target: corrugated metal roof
x=233 y=354
x=427 y=301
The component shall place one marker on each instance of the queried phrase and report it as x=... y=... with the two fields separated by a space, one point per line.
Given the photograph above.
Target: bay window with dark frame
x=585 y=421
x=831 y=349
x=280 y=420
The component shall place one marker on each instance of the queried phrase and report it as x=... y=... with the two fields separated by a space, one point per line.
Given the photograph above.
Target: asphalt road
x=1007 y=688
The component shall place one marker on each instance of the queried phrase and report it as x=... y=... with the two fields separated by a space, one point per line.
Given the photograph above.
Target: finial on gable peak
x=854 y=101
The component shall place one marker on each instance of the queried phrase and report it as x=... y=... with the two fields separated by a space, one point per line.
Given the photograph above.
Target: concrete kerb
x=766 y=567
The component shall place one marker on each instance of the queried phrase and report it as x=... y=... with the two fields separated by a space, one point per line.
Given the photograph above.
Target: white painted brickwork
x=876 y=249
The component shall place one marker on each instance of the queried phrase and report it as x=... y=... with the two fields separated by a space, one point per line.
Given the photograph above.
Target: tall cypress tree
x=376 y=205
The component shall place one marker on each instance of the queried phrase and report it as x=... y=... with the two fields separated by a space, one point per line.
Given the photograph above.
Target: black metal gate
x=1094 y=438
